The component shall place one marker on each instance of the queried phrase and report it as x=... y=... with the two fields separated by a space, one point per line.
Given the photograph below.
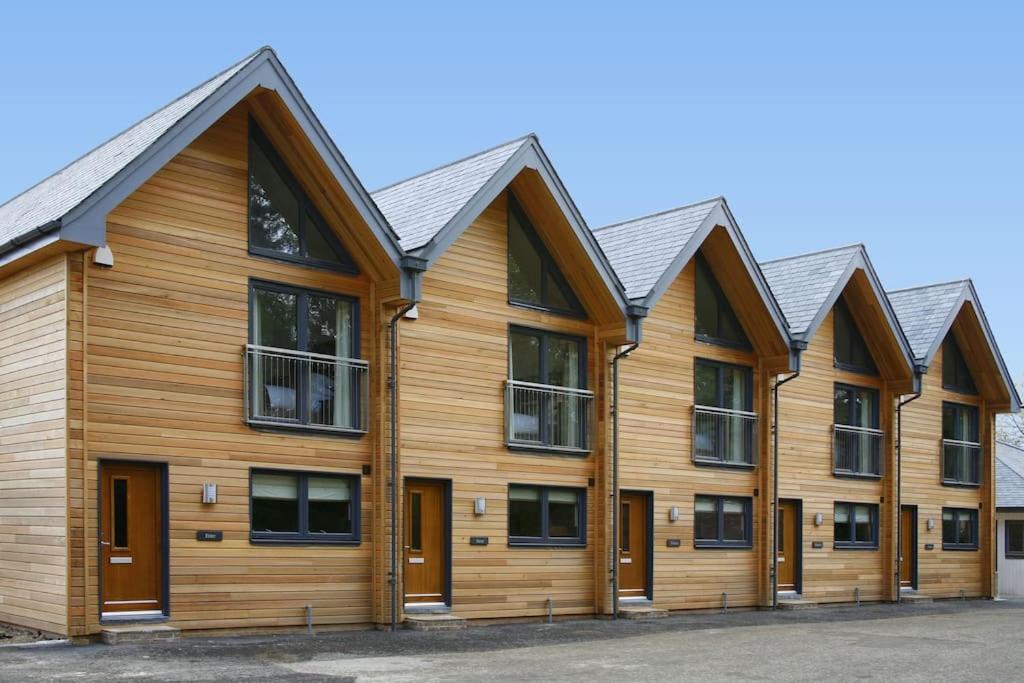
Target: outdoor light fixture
x=479 y=506
x=819 y=519
x=209 y=493
x=673 y=514
x=931 y=523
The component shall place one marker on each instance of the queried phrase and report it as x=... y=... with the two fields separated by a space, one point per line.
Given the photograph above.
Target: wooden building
x=238 y=391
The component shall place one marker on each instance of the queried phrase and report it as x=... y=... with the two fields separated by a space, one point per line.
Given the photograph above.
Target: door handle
x=104 y=542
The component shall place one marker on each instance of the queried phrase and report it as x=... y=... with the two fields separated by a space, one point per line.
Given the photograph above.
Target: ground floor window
x=722 y=522
x=546 y=515
x=1015 y=539
x=959 y=529
x=855 y=526
x=303 y=507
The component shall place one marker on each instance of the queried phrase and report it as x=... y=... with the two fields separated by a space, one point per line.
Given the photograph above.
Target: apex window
x=855 y=525
x=546 y=515
x=283 y=222
x=961 y=447
x=959 y=529
x=857 y=440
x=303 y=507
x=722 y=522
x=724 y=426
x=850 y=350
x=534 y=279
x=715 y=320
x=956 y=376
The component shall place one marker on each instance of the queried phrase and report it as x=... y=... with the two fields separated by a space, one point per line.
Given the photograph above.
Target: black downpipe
x=899 y=490
x=775 y=486
x=392 y=475
x=615 y=475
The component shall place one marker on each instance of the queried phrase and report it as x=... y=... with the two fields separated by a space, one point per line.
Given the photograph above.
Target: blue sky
x=899 y=127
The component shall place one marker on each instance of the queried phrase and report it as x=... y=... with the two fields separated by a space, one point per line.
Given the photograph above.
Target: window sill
x=722 y=342
x=854 y=546
x=1014 y=556
x=955 y=547
x=570 y=545
x=722 y=545
x=546 y=309
x=304 y=541
x=299 y=428
x=960 y=484
x=960 y=390
x=542 y=449
x=856 y=369
x=271 y=255
x=855 y=475
x=703 y=462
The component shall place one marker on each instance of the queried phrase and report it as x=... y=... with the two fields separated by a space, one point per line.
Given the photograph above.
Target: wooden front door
x=131 y=537
x=908 y=546
x=426 y=559
x=633 y=543
x=789 y=544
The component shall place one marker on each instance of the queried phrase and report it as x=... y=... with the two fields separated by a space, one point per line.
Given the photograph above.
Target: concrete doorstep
x=138 y=633
x=433 y=622
x=797 y=603
x=639 y=612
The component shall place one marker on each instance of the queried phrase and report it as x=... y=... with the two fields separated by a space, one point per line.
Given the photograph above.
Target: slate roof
x=640 y=250
x=922 y=311
x=419 y=207
x=52 y=198
x=801 y=284
x=1009 y=476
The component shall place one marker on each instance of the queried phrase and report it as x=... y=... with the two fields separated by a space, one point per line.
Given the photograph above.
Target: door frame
x=913 y=540
x=798 y=544
x=648 y=497
x=446 y=494
x=165 y=537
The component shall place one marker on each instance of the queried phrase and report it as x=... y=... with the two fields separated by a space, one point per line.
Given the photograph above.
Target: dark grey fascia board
x=85 y=222
x=721 y=216
x=529 y=155
x=17 y=252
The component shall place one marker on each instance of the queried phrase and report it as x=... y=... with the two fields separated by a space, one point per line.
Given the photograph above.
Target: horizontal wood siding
x=33 y=444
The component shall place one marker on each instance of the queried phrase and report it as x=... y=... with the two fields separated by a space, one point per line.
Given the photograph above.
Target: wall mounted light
x=479 y=506
x=930 y=524
x=819 y=519
x=673 y=514
x=209 y=493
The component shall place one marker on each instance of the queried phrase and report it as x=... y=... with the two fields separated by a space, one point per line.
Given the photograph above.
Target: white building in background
x=1010 y=519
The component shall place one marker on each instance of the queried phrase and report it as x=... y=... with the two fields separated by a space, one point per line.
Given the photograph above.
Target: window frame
x=855 y=389
x=345 y=264
x=547 y=266
x=842 y=310
x=544 y=369
x=721 y=301
x=974 y=413
x=303 y=536
x=720 y=367
x=545 y=540
x=975 y=518
x=852 y=543
x=1011 y=554
x=951 y=351
x=720 y=542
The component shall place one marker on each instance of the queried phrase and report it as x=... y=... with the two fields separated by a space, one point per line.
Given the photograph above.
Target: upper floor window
x=534 y=279
x=956 y=376
x=857 y=440
x=850 y=350
x=303 y=360
x=855 y=526
x=715 y=320
x=547 y=404
x=724 y=428
x=961 y=447
x=959 y=529
x=283 y=223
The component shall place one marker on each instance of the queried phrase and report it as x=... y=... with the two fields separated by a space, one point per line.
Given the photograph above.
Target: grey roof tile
x=419 y=207
x=640 y=250
x=801 y=284
x=1009 y=475
x=52 y=198
x=923 y=310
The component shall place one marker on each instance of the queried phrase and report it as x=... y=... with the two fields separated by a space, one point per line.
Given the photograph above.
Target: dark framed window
x=534 y=279
x=855 y=526
x=724 y=426
x=956 y=376
x=722 y=522
x=714 y=320
x=283 y=222
x=303 y=358
x=1014 y=539
x=303 y=507
x=961 y=450
x=546 y=516
x=857 y=441
x=959 y=529
x=849 y=348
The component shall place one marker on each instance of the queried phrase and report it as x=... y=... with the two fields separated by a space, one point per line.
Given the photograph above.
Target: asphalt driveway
x=940 y=641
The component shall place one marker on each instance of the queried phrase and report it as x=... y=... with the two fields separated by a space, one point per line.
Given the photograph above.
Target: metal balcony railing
x=305 y=390
x=724 y=437
x=548 y=417
x=961 y=462
x=857 y=450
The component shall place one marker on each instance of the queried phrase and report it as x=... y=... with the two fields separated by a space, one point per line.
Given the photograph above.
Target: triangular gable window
x=283 y=223
x=534 y=279
x=849 y=348
x=715 y=322
x=956 y=376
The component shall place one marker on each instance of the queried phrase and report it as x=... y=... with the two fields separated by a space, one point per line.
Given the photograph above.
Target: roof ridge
x=962 y=281
x=854 y=245
x=247 y=58
x=661 y=213
x=521 y=138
